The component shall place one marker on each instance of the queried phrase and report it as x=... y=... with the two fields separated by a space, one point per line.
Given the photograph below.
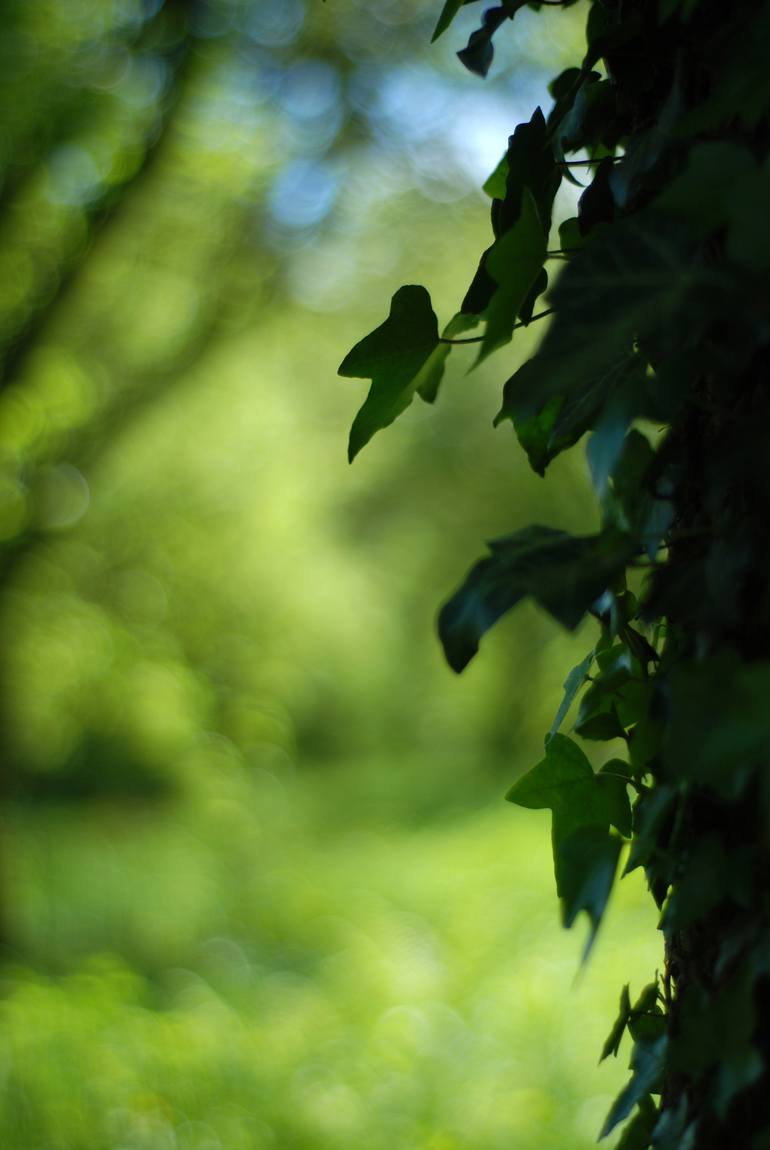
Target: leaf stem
x=481 y=338
x=583 y=163
x=639 y=787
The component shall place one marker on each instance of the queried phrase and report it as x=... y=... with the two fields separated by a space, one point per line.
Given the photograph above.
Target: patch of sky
x=309 y=94
x=441 y=122
x=303 y=193
x=275 y=23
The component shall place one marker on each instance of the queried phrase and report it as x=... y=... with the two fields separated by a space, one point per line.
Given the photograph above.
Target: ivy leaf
x=570 y=236
x=402 y=356
x=614 y=776
x=717 y=732
x=563 y=573
x=636 y=174
x=448 y=13
x=494 y=185
x=612 y=1043
x=647 y=1022
x=572 y=684
x=529 y=167
x=588 y=862
x=479 y=52
x=514 y=262
x=647 y=1063
x=653 y=810
x=477 y=56
x=636 y=1136
x=584 y=805
x=701 y=887
x=704 y=191
x=532 y=166
x=671 y=1131
x=565 y=783
x=614 y=291
x=626 y=401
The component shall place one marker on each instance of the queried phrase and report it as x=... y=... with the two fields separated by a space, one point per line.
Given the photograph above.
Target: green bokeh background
x=259 y=887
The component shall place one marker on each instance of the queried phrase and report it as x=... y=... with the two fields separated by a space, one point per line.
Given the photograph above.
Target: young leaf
x=401 y=356
x=612 y=1043
x=529 y=166
x=514 y=262
x=572 y=684
x=565 y=783
x=563 y=573
x=647 y=1063
x=636 y=1136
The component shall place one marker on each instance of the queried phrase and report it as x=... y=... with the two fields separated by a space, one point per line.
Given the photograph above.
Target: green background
x=258 y=884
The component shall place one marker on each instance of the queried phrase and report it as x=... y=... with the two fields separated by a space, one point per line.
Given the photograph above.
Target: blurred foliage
x=248 y=877
x=180 y=551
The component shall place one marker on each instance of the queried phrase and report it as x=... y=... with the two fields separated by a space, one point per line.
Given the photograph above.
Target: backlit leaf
x=577 y=677
x=563 y=573
x=400 y=357
x=513 y=262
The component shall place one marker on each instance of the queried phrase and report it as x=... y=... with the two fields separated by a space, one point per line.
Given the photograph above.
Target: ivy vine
x=659 y=318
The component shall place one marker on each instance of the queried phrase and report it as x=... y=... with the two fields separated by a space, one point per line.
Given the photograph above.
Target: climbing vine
x=655 y=346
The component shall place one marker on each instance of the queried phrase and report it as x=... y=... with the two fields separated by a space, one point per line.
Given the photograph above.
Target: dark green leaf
x=626 y=402
x=400 y=357
x=570 y=236
x=637 y=174
x=599 y=724
x=647 y=1022
x=477 y=56
x=636 y=1135
x=572 y=684
x=700 y=888
x=612 y=1044
x=597 y=203
x=652 y=811
x=672 y=1131
x=718 y=730
x=702 y=193
x=647 y=1063
x=529 y=167
x=448 y=13
x=588 y=861
x=580 y=800
x=564 y=574
x=618 y=288
x=614 y=776
x=513 y=262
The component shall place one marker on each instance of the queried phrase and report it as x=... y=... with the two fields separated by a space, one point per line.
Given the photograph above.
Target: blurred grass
x=263 y=971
